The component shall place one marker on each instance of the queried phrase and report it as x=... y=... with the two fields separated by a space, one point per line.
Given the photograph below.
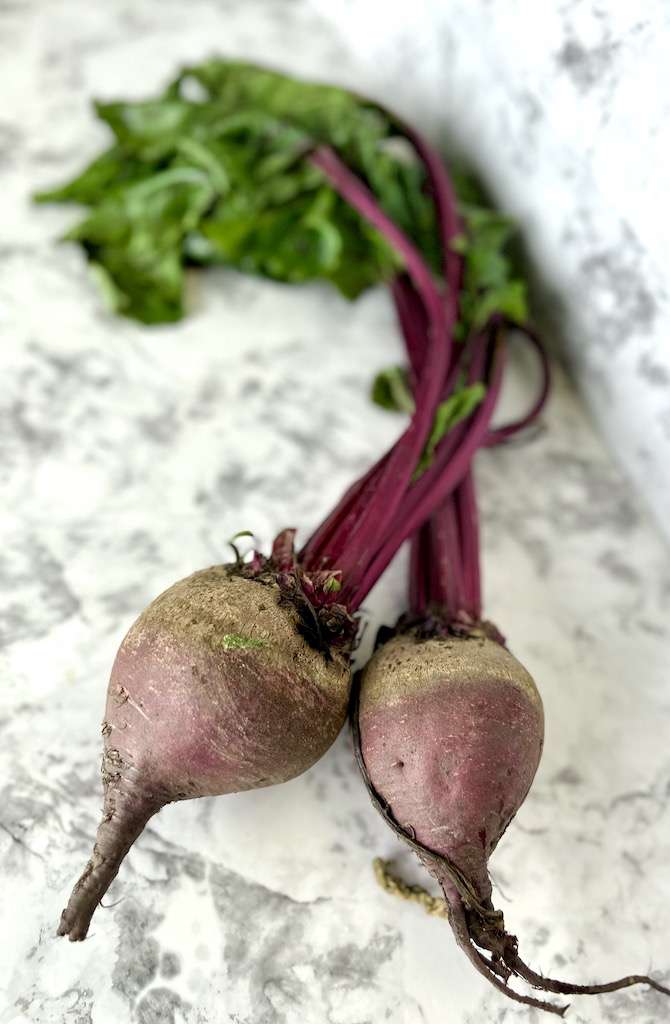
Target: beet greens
x=217 y=169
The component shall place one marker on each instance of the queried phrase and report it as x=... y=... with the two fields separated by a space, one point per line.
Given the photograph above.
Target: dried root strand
x=505 y=948
x=487 y=968
x=494 y=970
x=539 y=981
x=474 y=934
x=395 y=885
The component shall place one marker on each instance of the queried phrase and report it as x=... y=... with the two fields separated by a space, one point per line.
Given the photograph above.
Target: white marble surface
x=130 y=455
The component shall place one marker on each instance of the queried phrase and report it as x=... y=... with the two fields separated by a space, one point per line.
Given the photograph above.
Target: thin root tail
x=493 y=972
x=125 y=815
x=474 y=934
x=538 y=981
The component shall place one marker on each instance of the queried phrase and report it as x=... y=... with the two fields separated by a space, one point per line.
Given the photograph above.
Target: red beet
x=448 y=731
x=214 y=690
x=451 y=732
x=448 y=726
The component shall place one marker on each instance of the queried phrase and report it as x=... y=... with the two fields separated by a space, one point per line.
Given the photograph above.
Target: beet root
x=448 y=732
x=451 y=734
x=214 y=690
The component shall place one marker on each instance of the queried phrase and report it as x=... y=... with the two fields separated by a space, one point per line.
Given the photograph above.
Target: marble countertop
x=129 y=456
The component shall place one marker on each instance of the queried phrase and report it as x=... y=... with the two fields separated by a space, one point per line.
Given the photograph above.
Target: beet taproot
x=214 y=690
x=448 y=731
x=451 y=733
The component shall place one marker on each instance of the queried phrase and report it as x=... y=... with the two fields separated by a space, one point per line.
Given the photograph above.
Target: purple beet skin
x=453 y=744
x=213 y=691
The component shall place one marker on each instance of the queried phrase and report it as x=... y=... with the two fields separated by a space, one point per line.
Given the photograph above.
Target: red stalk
x=445 y=575
x=347 y=536
x=386 y=503
x=418 y=584
x=352 y=543
x=465 y=500
x=432 y=488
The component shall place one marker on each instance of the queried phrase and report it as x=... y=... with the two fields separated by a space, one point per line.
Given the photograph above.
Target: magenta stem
x=333 y=543
x=418 y=584
x=445 y=560
x=439 y=572
x=447 y=212
x=433 y=487
x=354 y=539
x=462 y=560
x=501 y=434
x=465 y=501
x=413 y=323
x=385 y=503
x=414 y=326
x=450 y=540
x=351 y=188
x=315 y=552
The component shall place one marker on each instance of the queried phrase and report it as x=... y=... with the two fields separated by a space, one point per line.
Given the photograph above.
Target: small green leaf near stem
x=452 y=411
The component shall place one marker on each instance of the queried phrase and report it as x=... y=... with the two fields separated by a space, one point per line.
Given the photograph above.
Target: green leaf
x=489 y=283
x=242 y=133
x=209 y=158
x=391 y=390
x=111 y=169
x=135 y=235
x=509 y=299
x=151 y=129
x=216 y=170
x=113 y=297
x=453 y=410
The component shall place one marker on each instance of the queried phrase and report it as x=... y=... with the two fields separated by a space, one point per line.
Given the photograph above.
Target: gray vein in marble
x=586 y=66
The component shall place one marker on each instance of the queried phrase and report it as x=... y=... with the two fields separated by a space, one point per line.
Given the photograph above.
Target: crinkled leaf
x=216 y=170
x=489 y=282
x=111 y=169
x=135 y=237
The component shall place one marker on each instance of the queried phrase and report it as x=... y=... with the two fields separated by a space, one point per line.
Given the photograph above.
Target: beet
x=451 y=731
x=448 y=731
x=213 y=691
x=448 y=726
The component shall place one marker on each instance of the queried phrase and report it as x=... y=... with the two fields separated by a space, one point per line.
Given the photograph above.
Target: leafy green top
x=216 y=169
